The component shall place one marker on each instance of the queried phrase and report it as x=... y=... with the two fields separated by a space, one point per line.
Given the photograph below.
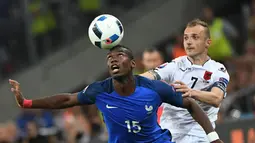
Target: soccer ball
x=105 y=31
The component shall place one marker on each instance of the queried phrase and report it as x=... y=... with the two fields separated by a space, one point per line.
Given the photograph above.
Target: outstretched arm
x=58 y=101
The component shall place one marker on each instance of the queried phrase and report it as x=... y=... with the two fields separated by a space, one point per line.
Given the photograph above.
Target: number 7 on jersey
x=194 y=79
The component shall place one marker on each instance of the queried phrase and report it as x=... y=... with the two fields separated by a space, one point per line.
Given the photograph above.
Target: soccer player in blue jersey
x=128 y=103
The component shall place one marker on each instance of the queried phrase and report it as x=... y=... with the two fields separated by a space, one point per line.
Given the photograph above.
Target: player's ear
x=208 y=42
x=133 y=64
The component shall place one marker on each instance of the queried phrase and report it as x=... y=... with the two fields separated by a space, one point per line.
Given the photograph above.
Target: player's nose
x=189 y=43
x=113 y=60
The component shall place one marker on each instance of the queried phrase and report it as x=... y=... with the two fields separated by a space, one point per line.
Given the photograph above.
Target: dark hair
x=202 y=23
x=151 y=50
x=123 y=49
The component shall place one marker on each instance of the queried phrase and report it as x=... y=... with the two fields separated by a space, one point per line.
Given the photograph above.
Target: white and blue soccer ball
x=106 y=31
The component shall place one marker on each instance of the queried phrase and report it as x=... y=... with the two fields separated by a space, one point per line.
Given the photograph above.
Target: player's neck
x=124 y=85
x=199 y=60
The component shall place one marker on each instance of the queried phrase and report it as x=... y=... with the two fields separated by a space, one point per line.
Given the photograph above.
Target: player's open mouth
x=115 y=68
x=190 y=48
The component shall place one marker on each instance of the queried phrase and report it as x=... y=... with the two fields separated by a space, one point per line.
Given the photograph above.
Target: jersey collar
x=191 y=64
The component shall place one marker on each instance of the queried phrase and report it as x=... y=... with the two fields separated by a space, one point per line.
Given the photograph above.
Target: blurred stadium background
x=44 y=45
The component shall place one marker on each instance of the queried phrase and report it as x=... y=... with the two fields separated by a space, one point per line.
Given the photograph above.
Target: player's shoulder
x=180 y=59
x=148 y=83
x=219 y=67
x=182 y=62
x=143 y=81
x=103 y=86
x=177 y=62
x=216 y=64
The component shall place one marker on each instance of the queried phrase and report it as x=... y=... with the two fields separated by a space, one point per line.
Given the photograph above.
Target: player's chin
x=191 y=54
x=119 y=75
x=115 y=74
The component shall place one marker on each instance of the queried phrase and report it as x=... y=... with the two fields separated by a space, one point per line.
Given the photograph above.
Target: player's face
x=152 y=60
x=195 y=41
x=119 y=64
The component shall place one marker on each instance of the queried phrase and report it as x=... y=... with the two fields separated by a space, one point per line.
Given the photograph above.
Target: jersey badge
x=149 y=108
x=207 y=75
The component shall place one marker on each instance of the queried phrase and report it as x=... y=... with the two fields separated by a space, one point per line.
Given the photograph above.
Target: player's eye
x=195 y=37
x=109 y=57
x=185 y=38
x=120 y=54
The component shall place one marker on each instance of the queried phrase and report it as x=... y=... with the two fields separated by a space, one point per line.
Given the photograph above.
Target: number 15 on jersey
x=133 y=126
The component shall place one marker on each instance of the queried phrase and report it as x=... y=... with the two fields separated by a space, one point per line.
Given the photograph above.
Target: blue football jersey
x=133 y=118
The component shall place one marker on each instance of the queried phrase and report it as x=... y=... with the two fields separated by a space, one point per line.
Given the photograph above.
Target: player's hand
x=218 y=141
x=182 y=87
x=16 y=90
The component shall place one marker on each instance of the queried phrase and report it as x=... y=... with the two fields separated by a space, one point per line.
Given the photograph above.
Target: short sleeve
x=221 y=79
x=165 y=71
x=168 y=94
x=88 y=95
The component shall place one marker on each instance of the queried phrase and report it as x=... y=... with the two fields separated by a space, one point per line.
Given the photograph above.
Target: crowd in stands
x=33 y=29
x=84 y=124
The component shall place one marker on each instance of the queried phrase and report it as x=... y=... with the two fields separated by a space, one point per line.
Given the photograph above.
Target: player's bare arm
x=149 y=74
x=58 y=101
x=198 y=114
x=213 y=97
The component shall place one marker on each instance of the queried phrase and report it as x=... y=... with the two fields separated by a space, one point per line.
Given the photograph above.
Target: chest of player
x=136 y=107
x=195 y=77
